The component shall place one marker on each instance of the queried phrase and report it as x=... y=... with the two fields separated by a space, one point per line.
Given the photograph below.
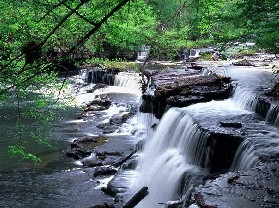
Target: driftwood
x=119 y=163
x=140 y=195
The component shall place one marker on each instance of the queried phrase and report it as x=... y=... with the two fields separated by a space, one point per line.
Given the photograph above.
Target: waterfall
x=174 y=150
x=272 y=116
x=179 y=147
x=260 y=146
x=263 y=139
x=245 y=156
x=126 y=79
x=245 y=99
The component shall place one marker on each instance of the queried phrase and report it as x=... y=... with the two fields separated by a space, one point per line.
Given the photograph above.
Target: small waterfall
x=257 y=148
x=263 y=139
x=176 y=147
x=272 y=116
x=126 y=79
x=245 y=99
x=245 y=157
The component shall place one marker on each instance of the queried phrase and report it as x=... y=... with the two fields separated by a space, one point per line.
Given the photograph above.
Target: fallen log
x=119 y=163
x=140 y=195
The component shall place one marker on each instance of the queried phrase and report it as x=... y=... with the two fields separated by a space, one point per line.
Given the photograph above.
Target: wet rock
x=103 y=158
x=114 y=123
x=182 y=91
x=92 y=162
x=123 y=160
x=196 y=66
x=212 y=176
x=252 y=188
x=108 y=128
x=109 y=191
x=153 y=126
x=105 y=205
x=105 y=170
x=83 y=147
x=99 y=104
x=232 y=179
x=77 y=153
x=200 y=201
x=230 y=124
x=119 y=119
x=243 y=62
x=96 y=87
x=182 y=101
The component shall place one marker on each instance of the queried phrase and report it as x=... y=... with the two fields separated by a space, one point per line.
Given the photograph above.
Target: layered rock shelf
x=184 y=89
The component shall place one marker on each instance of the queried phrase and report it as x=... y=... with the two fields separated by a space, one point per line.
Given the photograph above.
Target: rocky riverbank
x=180 y=88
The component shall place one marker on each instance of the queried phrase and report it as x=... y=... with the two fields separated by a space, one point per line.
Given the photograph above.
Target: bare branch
x=81 y=16
x=98 y=25
x=62 y=21
x=53 y=7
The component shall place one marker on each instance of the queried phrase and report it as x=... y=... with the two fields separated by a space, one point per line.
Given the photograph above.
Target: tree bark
x=140 y=195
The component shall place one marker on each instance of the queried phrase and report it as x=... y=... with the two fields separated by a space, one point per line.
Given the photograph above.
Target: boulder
x=98 y=104
x=243 y=62
x=83 y=147
x=185 y=90
x=104 y=170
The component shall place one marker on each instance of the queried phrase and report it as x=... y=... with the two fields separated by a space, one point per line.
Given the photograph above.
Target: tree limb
x=81 y=16
x=98 y=25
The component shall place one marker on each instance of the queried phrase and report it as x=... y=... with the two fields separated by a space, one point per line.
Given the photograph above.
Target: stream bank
x=220 y=136
x=230 y=131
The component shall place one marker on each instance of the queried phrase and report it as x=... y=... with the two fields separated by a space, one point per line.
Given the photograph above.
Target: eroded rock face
x=252 y=188
x=184 y=90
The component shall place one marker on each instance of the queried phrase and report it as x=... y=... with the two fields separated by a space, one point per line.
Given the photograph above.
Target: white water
x=163 y=163
x=178 y=147
x=128 y=80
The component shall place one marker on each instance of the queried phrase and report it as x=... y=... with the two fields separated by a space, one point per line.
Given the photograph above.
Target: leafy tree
x=30 y=30
x=261 y=23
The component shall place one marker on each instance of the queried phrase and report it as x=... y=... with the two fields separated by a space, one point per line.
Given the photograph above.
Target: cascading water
x=164 y=163
x=178 y=147
x=129 y=80
x=262 y=140
x=245 y=99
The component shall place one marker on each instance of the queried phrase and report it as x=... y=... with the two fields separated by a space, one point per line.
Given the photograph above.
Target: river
x=167 y=155
x=57 y=181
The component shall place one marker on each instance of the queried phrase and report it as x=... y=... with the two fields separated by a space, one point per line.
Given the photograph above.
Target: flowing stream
x=59 y=181
x=176 y=151
x=178 y=148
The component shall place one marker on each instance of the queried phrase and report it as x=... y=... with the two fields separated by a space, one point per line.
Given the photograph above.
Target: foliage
x=261 y=22
x=119 y=64
x=37 y=36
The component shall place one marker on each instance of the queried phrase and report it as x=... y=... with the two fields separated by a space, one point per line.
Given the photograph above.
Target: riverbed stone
x=114 y=122
x=98 y=104
x=83 y=147
x=184 y=89
x=255 y=188
x=104 y=170
x=243 y=62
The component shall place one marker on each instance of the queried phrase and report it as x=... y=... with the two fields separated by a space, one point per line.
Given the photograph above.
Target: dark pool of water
x=57 y=181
